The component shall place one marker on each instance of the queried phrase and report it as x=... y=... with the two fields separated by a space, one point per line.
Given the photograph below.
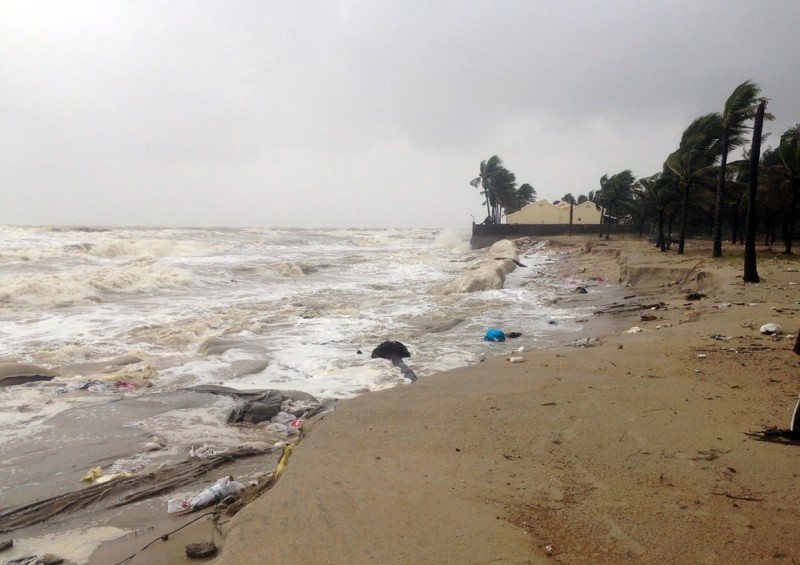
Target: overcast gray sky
x=358 y=113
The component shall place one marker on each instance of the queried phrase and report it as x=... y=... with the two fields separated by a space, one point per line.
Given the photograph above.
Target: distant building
x=543 y=212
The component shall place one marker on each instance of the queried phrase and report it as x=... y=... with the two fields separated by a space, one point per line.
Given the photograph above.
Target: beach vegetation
x=787 y=171
x=739 y=109
x=615 y=197
x=692 y=162
x=498 y=186
x=699 y=188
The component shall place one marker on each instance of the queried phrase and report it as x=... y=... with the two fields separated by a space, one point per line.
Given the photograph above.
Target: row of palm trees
x=704 y=192
x=698 y=187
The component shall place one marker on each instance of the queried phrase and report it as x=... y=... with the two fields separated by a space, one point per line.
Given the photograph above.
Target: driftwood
x=145 y=486
x=618 y=308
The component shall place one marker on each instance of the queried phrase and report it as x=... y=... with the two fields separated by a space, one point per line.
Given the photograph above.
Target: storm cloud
x=358 y=114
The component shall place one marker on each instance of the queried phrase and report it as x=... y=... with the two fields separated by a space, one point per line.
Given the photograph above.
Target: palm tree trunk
x=750 y=270
x=717 y=251
x=662 y=244
x=792 y=212
x=682 y=237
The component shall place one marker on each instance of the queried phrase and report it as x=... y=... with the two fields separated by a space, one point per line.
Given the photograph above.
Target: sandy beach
x=633 y=450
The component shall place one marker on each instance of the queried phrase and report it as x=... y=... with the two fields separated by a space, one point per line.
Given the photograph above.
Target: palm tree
x=695 y=156
x=521 y=197
x=789 y=153
x=614 y=192
x=499 y=187
x=750 y=270
x=654 y=192
x=739 y=107
x=488 y=169
x=569 y=199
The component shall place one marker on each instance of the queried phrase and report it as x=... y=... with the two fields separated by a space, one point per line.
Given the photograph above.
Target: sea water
x=299 y=309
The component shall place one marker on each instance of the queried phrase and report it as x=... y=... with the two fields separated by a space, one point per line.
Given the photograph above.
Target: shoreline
x=503 y=461
x=109 y=437
x=129 y=547
x=634 y=451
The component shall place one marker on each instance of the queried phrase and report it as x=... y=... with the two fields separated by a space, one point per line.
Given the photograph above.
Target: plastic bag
x=216 y=492
x=494 y=335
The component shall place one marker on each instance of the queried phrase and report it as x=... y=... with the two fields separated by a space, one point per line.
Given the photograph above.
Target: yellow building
x=543 y=212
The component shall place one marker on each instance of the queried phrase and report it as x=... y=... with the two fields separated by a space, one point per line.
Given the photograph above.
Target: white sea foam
x=153 y=248
x=300 y=304
x=90 y=284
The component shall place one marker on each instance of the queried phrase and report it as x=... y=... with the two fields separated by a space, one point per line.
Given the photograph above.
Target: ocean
x=257 y=308
x=311 y=304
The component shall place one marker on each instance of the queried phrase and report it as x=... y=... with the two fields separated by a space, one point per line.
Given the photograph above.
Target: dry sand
x=632 y=451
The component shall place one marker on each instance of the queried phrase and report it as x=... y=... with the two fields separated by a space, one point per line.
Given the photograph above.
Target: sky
x=358 y=114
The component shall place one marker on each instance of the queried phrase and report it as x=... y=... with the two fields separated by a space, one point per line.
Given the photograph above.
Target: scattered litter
x=156 y=444
x=634 y=330
x=92 y=474
x=771 y=329
x=46 y=559
x=205 y=451
x=224 y=487
x=131 y=466
x=201 y=550
x=701 y=356
x=394 y=351
x=722 y=305
x=494 y=335
x=261 y=405
x=516 y=359
x=96 y=385
x=695 y=296
x=120 y=469
x=719 y=337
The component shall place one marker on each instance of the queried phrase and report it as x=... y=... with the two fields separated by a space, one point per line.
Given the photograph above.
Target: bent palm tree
x=522 y=196
x=695 y=156
x=614 y=192
x=484 y=180
x=739 y=107
x=499 y=187
x=654 y=192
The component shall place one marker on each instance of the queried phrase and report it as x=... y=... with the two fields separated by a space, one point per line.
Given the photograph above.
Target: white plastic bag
x=216 y=492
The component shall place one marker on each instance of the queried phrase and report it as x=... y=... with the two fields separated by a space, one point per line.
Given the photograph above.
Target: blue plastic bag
x=494 y=335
